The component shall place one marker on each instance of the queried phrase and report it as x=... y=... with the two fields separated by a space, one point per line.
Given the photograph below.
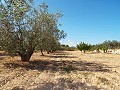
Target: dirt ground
x=65 y=70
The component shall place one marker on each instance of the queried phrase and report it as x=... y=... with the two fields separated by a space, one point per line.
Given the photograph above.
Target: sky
x=90 y=21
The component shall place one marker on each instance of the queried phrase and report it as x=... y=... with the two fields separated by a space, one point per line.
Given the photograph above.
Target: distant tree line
x=67 y=48
x=114 y=44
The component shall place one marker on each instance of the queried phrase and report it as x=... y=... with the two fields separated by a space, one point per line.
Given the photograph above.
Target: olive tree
x=83 y=47
x=48 y=23
x=22 y=27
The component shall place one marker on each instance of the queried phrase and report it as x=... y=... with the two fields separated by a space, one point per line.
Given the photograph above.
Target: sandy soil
x=69 y=70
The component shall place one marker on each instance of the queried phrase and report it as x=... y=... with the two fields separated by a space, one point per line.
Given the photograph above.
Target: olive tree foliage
x=49 y=25
x=99 y=47
x=114 y=44
x=83 y=47
x=104 y=46
x=24 y=29
x=14 y=28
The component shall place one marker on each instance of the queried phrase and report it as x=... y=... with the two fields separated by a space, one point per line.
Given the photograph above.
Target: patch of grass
x=68 y=68
x=103 y=80
x=18 y=88
x=86 y=74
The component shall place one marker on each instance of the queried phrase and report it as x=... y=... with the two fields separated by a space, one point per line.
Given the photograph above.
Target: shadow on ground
x=61 y=53
x=2 y=58
x=65 y=84
x=62 y=84
x=2 y=55
x=55 y=66
x=61 y=65
x=61 y=56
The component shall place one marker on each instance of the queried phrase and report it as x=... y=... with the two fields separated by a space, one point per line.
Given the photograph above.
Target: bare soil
x=65 y=70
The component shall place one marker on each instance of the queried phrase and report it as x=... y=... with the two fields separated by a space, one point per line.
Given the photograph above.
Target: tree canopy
x=24 y=29
x=114 y=44
x=83 y=46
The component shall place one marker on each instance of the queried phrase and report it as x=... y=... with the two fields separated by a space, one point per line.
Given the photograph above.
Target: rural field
x=63 y=70
x=59 y=45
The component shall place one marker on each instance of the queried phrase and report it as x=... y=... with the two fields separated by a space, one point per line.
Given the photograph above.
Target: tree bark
x=84 y=51
x=42 y=52
x=25 y=57
x=104 y=51
x=48 y=52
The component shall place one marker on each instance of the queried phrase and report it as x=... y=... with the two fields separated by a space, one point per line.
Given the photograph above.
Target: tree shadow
x=61 y=53
x=55 y=66
x=66 y=84
x=18 y=88
x=60 y=66
x=1 y=58
x=61 y=56
x=62 y=84
x=2 y=55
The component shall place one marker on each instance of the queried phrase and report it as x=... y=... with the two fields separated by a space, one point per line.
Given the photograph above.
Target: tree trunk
x=84 y=51
x=52 y=51
x=42 y=52
x=98 y=51
x=104 y=51
x=25 y=57
x=48 y=52
x=114 y=51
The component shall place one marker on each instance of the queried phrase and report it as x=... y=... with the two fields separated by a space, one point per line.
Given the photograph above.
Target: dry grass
x=70 y=70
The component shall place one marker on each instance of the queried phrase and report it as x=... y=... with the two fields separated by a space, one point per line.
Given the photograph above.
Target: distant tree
x=64 y=47
x=97 y=47
x=104 y=47
x=67 y=48
x=93 y=48
x=112 y=44
x=83 y=47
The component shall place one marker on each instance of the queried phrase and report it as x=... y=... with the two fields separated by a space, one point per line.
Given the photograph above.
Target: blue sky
x=91 y=21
